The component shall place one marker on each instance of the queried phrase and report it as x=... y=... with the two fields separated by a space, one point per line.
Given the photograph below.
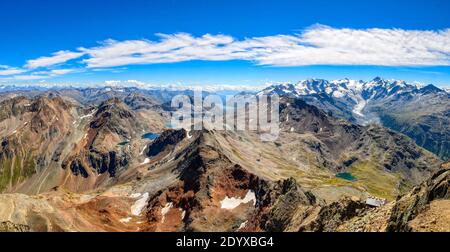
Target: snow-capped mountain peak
x=356 y=94
x=374 y=89
x=311 y=86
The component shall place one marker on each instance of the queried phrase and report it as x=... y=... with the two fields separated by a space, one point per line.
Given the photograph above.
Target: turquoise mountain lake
x=150 y=135
x=346 y=175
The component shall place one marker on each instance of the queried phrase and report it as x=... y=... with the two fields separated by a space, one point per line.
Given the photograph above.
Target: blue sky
x=223 y=42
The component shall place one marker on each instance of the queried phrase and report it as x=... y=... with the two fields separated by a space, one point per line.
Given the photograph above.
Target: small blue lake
x=346 y=175
x=150 y=135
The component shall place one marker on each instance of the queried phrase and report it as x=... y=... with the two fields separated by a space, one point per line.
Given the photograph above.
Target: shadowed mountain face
x=82 y=165
x=422 y=113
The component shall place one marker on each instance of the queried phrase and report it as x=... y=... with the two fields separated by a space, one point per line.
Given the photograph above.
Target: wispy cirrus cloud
x=7 y=70
x=55 y=72
x=56 y=58
x=171 y=48
x=39 y=75
x=323 y=45
x=317 y=45
x=28 y=77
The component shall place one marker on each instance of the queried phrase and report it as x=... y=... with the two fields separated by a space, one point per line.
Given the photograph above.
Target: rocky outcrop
x=107 y=162
x=113 y=116
x=98 y=162
x=167 y=140
x=409 y=206
x=7 y=226
x=284 y=204
x=330 y=217
x=14 y=107
x=77 y=168
x=296 y=115
x=138 y=102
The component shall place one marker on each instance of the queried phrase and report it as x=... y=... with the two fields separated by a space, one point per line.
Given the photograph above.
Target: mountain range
x=418 y=111
x=107 y=159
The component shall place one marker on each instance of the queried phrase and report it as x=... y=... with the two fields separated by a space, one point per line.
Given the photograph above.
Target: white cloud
x=318 y=45
x=7 y=70
x=54 y=72
x=113 y=83
x=386 y=47
x=61 y=71
x=38 y=75
x=29 y=77
x=171 y=48
x=57 y=58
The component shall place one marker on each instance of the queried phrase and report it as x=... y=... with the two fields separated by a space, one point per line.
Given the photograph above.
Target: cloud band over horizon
x=316 y=45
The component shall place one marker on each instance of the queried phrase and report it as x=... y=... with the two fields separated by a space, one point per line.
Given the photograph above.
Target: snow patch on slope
x=232 y=203
x=165 y=210
x=138 y=206
x=146 y=161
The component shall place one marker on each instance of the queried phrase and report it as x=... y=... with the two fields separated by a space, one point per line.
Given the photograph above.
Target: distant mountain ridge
x=419 y=111
x=378 y=88
x=354 y=93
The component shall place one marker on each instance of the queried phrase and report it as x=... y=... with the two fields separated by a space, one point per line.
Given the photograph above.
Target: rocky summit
x=350 y=156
